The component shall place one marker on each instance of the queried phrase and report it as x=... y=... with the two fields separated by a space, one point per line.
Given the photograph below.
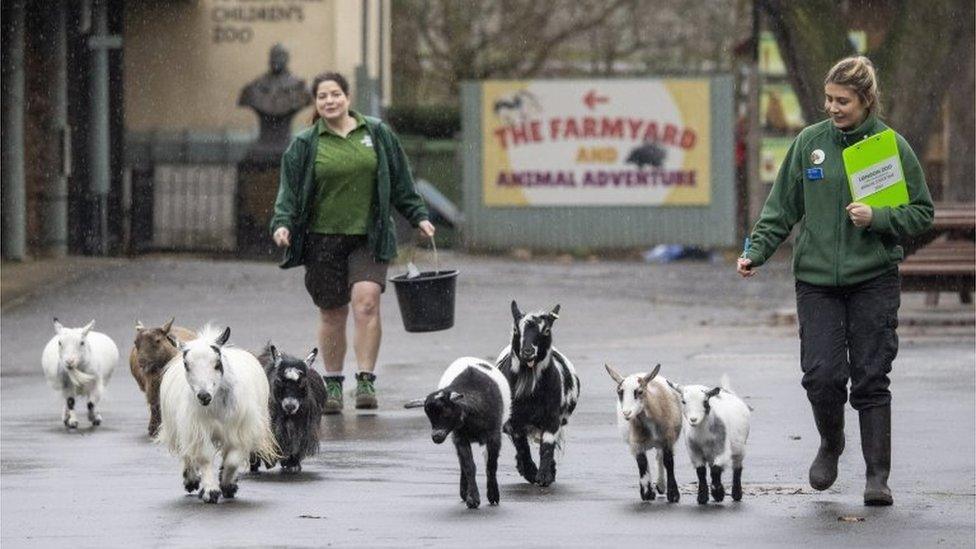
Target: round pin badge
x=817 y=156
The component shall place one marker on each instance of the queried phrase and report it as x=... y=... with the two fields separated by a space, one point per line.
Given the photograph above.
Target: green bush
x=431 y=121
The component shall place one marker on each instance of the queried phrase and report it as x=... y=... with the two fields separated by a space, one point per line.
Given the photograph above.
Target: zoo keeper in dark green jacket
x=339 y=178
x=845 y=261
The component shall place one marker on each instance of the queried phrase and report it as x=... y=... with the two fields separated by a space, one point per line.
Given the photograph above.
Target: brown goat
x=147 y=361
x=649 y=417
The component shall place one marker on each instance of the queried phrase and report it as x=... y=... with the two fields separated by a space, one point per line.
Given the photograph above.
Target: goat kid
x=718 y=427
x=79 y=362
x=151 y=351
x=649 y=417
x=297 y=399
x=214 y=397
x=545 y=390
x=472 y=402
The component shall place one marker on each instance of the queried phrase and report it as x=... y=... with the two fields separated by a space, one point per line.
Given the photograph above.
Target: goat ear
x=712 y=392
x=456 y=396
x=614 y=374
x=174 y=342
x=273 y=353
x=311 y=357
x=516 y=313
x=674 y=387
x=415 y=403
x=222 y=339
x=139 y=326
x=168 y=325
x=87 y=328
x=58 y=327
x=554 y=313
x=647 y=379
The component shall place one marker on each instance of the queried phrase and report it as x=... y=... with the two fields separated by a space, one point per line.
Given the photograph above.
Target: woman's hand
x=426 y=228
x=282 y=237
x=744 y=267
x=860 y=214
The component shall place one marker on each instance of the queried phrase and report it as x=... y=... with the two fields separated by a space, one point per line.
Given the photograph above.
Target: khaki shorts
x=334 y=262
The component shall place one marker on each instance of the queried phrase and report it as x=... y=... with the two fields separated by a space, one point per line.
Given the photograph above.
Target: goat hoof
x=736 y=493
x=472 y=501
x=291 y=469
x=660 y=488
x=648 y=494
x=96 y=422
x=674 y=496
x=718 y=492
x=543 y=479
x=702 y=498
x=191 y=485
x=71 y=423
x=228 y=490
x=211 y=496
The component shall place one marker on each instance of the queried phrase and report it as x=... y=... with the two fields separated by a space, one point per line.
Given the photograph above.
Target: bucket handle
x=433 y=243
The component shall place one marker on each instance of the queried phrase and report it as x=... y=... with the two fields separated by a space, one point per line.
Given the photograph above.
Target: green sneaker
x=333 y=395
x=365 y=391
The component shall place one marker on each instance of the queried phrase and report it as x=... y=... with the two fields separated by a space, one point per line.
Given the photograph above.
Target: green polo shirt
x=345 y=180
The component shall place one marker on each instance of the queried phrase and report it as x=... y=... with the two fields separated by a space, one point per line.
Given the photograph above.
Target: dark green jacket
x=394 y=186
x=830 y=250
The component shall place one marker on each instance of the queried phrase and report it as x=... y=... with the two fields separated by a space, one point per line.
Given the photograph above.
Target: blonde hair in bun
x=858 y=74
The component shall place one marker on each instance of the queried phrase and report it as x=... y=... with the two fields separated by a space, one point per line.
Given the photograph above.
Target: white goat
x=649 y=416
x=79 y=362
x=717 y=430
x=215 y=398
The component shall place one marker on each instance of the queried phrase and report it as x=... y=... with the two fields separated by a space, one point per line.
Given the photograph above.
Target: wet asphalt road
x=380 y=481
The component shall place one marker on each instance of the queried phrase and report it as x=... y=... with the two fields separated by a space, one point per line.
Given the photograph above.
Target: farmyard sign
x=596 y=142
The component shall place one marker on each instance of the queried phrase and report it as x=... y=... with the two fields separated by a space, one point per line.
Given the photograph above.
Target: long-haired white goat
x=79 y=362
x=214 y=398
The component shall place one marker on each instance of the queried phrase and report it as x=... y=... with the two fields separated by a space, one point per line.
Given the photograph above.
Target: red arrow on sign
x=591 y=99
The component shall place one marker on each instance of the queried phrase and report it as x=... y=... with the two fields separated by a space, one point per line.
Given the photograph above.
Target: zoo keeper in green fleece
x=339 y=178
x=845 y=261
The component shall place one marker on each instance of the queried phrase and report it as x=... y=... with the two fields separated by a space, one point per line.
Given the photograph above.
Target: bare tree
x=468 y=40
x=919 y=56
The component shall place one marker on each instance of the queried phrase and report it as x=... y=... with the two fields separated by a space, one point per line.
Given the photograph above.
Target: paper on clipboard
x=874 y=171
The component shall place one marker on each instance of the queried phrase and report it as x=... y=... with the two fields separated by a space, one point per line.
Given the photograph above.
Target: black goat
x=545 y=390
x=471 y=402
x=296 y=401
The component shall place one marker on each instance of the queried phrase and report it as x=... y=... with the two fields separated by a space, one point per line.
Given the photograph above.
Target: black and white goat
x=472 y=402
x=718 y=427
x=545 y=390
x=297 y=399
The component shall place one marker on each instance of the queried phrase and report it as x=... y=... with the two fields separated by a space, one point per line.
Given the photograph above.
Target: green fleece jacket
x=830 y=250
x=394 y=186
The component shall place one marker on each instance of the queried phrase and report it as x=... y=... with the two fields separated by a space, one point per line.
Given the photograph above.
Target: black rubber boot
x=876 y=445
x=830 y=424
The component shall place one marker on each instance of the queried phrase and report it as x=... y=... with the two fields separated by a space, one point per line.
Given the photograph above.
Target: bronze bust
x=275 y=97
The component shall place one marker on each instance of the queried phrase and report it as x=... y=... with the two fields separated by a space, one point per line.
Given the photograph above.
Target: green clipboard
x=874 y=171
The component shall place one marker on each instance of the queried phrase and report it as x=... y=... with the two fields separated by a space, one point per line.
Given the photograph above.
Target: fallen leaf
x=850 y=519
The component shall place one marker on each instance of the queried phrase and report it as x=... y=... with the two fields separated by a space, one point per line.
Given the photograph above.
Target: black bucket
x=426 y=301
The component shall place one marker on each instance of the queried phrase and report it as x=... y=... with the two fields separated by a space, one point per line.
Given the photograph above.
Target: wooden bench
x=944 y=258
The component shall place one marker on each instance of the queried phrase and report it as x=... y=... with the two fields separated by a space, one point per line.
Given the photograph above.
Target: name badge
x=814 y=174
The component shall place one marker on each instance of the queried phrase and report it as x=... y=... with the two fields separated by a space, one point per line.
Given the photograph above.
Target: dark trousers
x=849 y=332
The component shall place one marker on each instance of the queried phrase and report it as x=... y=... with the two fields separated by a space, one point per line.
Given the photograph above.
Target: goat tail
x=79 y=378
x=725 y=384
